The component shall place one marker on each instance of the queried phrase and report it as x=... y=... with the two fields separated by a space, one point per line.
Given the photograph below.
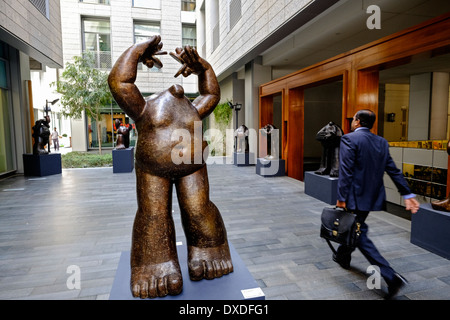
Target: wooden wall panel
x=265 y=111
x=295 y=134
x=366 y=95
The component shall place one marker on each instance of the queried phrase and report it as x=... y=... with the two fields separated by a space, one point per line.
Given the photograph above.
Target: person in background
x=55 y=139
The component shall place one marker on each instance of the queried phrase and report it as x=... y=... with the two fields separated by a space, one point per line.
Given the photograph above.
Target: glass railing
x=102 y=59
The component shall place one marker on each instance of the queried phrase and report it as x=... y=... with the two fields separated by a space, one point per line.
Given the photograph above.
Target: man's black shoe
x=344 y=263
x=395 y=286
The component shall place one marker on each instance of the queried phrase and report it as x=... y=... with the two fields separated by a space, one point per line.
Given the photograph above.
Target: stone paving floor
x=83 y=218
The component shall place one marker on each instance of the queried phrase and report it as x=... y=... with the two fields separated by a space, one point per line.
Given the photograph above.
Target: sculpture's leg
x=334 y=165
x=208 y=251
x=120 y=142
x=155 y=270
x=323 y=162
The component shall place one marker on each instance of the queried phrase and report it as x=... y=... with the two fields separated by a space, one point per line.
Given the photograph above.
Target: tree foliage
x=84 y=88
x=222 y=115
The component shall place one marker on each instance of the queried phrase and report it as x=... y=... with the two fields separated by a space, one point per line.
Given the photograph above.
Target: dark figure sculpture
x=241 y=139
x=123 y=136
x=330 y=138
x=155 y=269
x=272 y=142
x=41 y=135
x=443 y=205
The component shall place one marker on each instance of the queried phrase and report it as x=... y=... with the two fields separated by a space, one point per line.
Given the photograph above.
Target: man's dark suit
x=364 y=157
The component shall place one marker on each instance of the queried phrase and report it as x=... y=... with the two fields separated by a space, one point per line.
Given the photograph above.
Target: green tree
x=84 y=88
x=222 y=116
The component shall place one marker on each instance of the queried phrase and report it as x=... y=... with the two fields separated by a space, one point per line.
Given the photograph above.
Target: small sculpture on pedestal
x=41 y=135
x=241 y=139
x=443 y=205
x=330 y=138
x=123 y=135
x=271 y=140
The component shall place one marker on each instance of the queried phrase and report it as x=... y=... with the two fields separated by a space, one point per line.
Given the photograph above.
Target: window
x=189 y=35
x=142 y=31
x=97 y=39
x=187 y=5
x=149 y=4
x=6 y=136
x=215 y=23
x=235 y=12
x=42 y=6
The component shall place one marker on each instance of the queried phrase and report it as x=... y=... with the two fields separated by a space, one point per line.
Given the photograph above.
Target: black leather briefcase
x=340 y=226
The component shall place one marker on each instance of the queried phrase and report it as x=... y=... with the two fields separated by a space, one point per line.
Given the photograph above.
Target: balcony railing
x=102 y=59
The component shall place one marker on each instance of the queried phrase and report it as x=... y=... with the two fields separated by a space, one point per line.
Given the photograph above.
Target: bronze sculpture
x=155 y=269
x=330 y=138
x=123 y=135
x=41 y=135
x=241 y=139
x=271 y=141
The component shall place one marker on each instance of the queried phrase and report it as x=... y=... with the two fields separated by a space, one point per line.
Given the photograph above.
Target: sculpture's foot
x=321 y=172
x=41 y=151
x=120 y=147
x=334 y=173
x=157 y=280
x=209 y=263
x=442 y=205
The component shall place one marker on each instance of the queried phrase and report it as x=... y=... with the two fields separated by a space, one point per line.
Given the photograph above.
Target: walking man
x=364 y=157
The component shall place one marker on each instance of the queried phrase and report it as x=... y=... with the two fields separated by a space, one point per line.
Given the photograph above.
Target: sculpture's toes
x=209 y=263
x=144 y=284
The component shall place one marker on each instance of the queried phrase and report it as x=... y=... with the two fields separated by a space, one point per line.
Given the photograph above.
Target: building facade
x=30 y=39
x=107 y=28
x=301 y=64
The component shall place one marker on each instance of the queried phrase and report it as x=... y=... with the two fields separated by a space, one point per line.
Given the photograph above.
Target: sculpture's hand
x=149 y=49
x=192 y=62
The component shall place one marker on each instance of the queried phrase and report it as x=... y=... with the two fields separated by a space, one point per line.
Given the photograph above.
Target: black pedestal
x=243 y=159
x=270 y=168
x=320 y=187
x=42 y=164
x=430 y=230
x=238 y=285
x=123 y=160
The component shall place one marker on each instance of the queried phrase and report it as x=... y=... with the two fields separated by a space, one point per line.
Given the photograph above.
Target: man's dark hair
x=366 y=118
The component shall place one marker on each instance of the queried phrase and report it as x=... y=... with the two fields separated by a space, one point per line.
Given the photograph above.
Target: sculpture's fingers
x=181 y=70
x=187 y=55
x=178 y=50
x=154 y=40
x=177 y=57
x=187 y=72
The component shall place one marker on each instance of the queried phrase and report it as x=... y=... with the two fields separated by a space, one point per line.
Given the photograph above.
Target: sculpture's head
x=330 y=133
x=177 y=91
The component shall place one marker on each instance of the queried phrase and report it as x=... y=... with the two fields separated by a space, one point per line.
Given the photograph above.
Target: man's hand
x=341 y=204
x=412 y=204
x=149 y=49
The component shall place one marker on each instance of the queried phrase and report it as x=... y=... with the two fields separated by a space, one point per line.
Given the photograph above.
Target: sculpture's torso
x=164 y=119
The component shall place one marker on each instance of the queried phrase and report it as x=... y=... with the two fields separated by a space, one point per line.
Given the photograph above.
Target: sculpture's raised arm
x=207 y=82
x=123 y=75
